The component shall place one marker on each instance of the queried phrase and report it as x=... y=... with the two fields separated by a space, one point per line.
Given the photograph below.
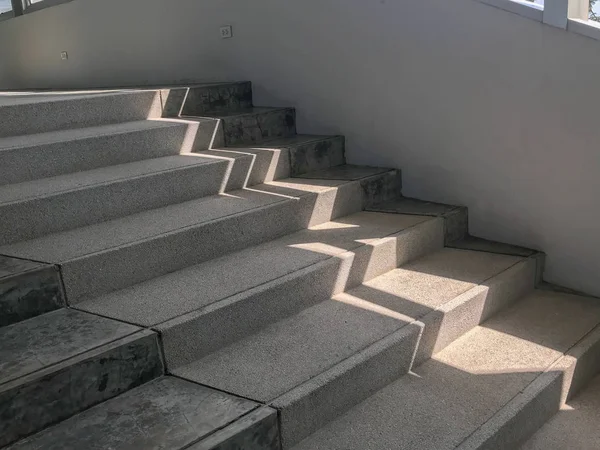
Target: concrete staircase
x=181 y=270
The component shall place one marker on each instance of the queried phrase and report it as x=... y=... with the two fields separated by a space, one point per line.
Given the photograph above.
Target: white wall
x=476 y=105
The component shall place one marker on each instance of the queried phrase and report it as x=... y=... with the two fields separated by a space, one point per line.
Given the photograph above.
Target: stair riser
x=199 y=333
x=317 y=155
x=221 y=98
x=48 y=160
x=444 y=325
x=121 y=267
x=327 y=396
x=33 y=402
x=124 y=266
x=68 y=210
x=259 y=430
x=78 y=113
x=29 y=294
x=252 y=167
x=537 y=403
x=258 y=127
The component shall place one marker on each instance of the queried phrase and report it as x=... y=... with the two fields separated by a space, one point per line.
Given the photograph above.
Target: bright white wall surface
x=476 y=105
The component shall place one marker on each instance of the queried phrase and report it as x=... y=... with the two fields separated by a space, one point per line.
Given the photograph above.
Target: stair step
x=455 y=217
x=270 y=281
x=167 y=413
x=69 y=201
x=455 y=394
x=309 y=153
x=252 y=166
x=136 y=248
x=316 y=364
x=30 y=114
x=57 y=364
x=575 y=426
x=44 y=155
x=219 y=97
x=254 y=125
x=27 y=289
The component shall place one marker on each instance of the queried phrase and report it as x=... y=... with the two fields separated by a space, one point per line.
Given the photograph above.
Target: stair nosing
x=123 y=179
x=157 y=124
x=71 y=360
x=230 y=299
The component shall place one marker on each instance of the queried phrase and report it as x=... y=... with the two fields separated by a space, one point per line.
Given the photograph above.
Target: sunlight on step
x=501 y=353
x=357 y=302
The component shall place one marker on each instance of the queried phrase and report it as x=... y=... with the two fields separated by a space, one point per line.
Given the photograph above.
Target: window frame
x=23 y=7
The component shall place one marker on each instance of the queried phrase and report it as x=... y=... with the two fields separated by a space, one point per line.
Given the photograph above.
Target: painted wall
x=476 y=105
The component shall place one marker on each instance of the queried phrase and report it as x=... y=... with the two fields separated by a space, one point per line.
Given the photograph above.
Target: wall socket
x=226 y=32
x=64 y=56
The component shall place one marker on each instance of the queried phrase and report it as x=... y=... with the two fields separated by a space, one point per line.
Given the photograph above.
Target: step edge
x=239 y=296
x=554 y=382
x=125 y=179
x=160 y=125
x=71 y=361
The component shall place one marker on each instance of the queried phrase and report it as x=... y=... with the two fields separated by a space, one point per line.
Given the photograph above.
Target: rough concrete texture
x=40 y=114
x=309 y=153
x=69 y=201
x=44 y=155
x=256 y=125
x=201 y=285
x=326 y=396
x=459 y=389
x=290 y=352
x=485 y=245
x=347 y=172
x=256 y=308
x=167 y=413
x=58 y=391
x=258 y=430
x=50 y=338
x=27 y=289
x=456 y=218
x=136 y=248
x=205 y=100
x=574 y=427
x=253 y=166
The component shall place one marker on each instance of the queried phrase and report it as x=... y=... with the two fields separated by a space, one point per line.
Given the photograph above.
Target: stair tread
x=47 y=187
x=31 y=140
x=24 y=98
x=575 y=426
x=67 y=245
x=28 y=346
x=460 y=388
x=245 y=111
x=346 y=172
x=298 y=139
x=423 y=285
x=198 y=286
x=165 y=413
x=294 y=350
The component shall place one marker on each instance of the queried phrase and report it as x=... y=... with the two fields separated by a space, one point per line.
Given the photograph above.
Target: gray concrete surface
x=574 y=426
x=64 y=202
x=43 y=155
x=30 y=115
x=459 y=390
x=166 y=413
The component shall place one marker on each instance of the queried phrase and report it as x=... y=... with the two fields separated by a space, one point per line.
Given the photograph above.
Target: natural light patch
x=319 y=247
x=488 y=352
x=357 y=302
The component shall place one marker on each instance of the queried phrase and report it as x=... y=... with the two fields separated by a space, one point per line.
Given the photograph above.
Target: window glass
x=5 y=6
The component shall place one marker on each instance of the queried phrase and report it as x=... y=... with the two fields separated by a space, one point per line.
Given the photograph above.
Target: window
x=5 y=6
x=595 y=10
